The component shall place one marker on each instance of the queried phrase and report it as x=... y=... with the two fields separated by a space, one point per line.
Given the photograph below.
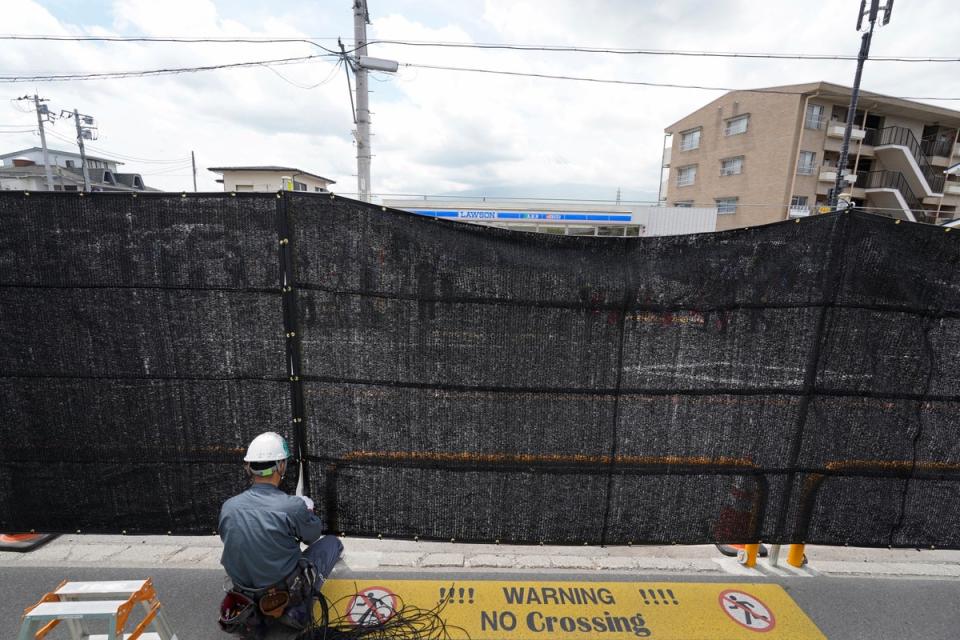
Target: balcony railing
x=893 y=180
x=904 y=137
x=937 y=147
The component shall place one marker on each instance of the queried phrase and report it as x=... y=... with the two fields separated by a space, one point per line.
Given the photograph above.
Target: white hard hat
x=267 y=447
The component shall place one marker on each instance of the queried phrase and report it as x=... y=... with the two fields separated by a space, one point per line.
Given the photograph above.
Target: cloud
x=438 y=131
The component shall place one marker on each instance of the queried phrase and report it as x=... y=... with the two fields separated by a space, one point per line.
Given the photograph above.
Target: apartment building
x=770 y=154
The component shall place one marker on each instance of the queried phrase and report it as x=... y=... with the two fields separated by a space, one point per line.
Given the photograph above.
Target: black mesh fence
x=791 y=383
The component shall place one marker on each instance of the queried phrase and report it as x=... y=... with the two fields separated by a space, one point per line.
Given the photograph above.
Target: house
x=271 y=178
x=24 y=170
x=770 y=154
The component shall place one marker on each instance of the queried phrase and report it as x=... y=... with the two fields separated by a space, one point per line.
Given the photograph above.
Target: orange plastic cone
x=24 y=541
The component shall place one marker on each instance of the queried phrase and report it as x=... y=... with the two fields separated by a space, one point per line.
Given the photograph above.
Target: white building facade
x=271 y=178
x=581 y=219
x=23 y=170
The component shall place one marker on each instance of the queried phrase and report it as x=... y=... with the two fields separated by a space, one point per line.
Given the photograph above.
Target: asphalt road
x=843 y=608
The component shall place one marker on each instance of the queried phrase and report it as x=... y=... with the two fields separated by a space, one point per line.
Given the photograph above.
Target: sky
x=434 y=131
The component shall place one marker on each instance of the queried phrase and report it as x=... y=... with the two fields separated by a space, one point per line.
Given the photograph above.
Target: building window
x=686 y=175
x=807 y=163
x=726 y=206
x=736 y=125
x=731 y=166
x=684 y=204
x=611 y=230
x=299 y=186
x=798 y=207
x=814 y=119
x=690 y=140
x=69 y=164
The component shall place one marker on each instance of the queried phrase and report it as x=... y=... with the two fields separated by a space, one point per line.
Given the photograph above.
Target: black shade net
x=791 y=383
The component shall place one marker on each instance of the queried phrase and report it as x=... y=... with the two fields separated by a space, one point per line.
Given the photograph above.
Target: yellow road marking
x=521 y=610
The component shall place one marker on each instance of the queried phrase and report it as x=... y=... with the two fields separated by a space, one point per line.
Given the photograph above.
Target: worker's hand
x=307 y=501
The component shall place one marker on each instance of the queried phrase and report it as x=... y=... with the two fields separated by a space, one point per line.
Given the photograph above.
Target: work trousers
x=323 y=554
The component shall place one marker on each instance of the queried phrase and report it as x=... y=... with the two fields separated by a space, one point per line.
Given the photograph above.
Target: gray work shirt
x=261 y=531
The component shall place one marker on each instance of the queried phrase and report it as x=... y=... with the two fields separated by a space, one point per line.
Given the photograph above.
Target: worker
x=262 y=529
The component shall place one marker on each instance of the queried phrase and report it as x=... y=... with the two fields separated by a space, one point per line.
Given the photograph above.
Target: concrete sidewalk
x=361 y=554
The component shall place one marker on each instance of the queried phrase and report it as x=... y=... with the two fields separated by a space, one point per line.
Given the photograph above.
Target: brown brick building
x=770 y=154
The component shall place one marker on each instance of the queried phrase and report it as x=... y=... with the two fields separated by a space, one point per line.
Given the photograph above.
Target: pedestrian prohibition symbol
x=747 y=610
x=371 y=606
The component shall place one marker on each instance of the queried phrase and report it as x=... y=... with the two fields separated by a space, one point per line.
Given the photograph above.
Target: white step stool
x=112 y=602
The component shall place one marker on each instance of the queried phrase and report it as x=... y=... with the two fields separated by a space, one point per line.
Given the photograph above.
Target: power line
x=660 y=52
x=327 y=79
x=669 y=85
x=301 y=59
x=172 y=39
x=107 y=75
x=123 y=157
x=312 y=40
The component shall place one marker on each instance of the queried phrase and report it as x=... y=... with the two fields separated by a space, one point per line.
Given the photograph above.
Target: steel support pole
x=851 y=114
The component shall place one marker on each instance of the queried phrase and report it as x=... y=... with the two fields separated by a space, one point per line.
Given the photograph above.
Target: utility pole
x=360 y=63
x=871 y=15
x=360 y=19
x=83 y=152
x=193 y=161
x=42 y=111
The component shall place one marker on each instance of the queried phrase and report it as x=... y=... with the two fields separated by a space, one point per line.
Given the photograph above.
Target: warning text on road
x=504 y=610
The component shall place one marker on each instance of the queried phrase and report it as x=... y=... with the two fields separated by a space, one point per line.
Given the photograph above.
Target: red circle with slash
x=747 y=610
x=372 y=606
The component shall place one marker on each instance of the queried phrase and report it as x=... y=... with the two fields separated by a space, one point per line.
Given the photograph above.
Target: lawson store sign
x=514 y=216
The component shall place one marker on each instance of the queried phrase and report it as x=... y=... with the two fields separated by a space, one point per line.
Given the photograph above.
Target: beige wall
x=265 y=181
x=768 y=148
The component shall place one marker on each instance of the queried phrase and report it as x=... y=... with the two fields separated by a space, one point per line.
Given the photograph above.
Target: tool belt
x=247 y=612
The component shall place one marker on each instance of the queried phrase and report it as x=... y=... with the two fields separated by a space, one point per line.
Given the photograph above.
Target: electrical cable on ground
x=384 y=621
